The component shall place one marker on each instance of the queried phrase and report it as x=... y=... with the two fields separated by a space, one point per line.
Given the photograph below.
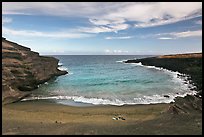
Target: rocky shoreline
x=23 y=70
x=186 y=64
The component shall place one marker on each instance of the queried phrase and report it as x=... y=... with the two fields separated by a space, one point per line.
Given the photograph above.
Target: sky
x=104 y=28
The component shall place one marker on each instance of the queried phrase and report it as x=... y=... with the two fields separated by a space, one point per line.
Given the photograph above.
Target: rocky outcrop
x=23 y=70
x=190 y=64
x=187 y=105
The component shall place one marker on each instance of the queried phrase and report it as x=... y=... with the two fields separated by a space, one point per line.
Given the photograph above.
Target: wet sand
x=40 y=117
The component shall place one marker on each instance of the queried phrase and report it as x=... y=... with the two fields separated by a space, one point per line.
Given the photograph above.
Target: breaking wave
x=63 y=68
x=118 y=102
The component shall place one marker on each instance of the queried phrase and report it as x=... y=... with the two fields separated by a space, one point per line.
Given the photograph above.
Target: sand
x=43 y=117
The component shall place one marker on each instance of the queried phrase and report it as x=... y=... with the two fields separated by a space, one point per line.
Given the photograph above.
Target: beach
x=44 y=117
x=76 y=68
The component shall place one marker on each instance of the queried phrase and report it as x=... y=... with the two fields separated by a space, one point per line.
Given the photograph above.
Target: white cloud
x=113 y=15
x=42 y=8
x=99 y=29
x=102 y=25
x=172 y=35
x=156 y=14
x=107 y=51
x=171 y=13
x=177 y=35
x=6 y=20
x=94 y=29
x=66 y=9
x=106 y=22
x=160 y=22
x=31 y=33
x=165 y=38
x=117 y=27
x=197 y=33
x=116 y=51
x=124 y=37
x=99 y=22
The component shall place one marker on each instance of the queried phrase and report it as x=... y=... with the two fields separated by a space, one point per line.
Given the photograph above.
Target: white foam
x=60 y=64
x=182 y=80
x=62 y=68
x=121 y=61
x=151 y=67
x=137 y=64
x=153 y=99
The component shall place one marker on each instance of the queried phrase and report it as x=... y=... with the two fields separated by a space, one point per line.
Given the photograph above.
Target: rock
x=166 y=96
x=23 y=70
x=188 y=104
x=122 y=118
x=173 y=110
x=118 y=118
x=179 y=75
x=114 y=118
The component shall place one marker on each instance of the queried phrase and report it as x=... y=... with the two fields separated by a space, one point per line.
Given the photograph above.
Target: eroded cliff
x=23 y=70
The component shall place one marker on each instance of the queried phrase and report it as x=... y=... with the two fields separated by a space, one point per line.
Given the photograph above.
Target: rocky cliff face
x=190 y=64
x=23 y=70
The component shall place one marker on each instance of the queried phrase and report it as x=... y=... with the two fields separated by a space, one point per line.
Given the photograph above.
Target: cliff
x=23 y=70
x=189 y=55
x=190 y=64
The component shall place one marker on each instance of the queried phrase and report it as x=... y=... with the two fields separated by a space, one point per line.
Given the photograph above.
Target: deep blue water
x=98 y=79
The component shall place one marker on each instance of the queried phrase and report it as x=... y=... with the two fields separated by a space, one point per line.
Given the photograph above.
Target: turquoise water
x=95 y=79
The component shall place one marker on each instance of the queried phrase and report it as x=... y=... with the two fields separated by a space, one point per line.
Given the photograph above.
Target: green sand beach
x=49 y=118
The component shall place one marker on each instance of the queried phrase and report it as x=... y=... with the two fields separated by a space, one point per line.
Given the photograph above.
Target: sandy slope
x=49 y=118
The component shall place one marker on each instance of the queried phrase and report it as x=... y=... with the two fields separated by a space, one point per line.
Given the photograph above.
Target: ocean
x=107 y=80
